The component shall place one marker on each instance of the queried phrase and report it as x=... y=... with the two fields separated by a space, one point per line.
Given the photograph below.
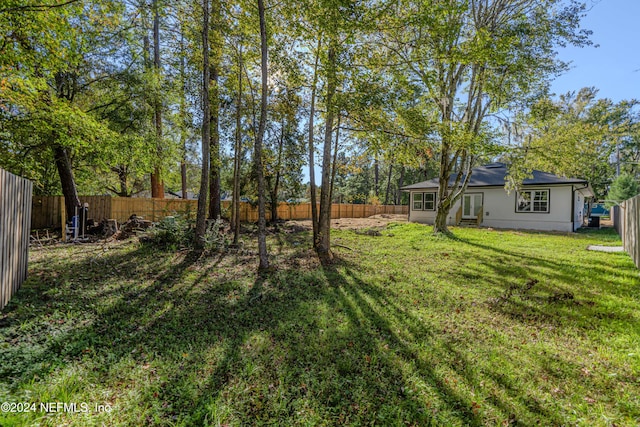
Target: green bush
x=176 y=232
x=171 y=232
x=623 y=187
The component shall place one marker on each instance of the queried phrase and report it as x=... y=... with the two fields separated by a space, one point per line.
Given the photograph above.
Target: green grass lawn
x=487 y=328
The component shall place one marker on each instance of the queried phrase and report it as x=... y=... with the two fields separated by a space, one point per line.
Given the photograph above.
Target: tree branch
x=385 y=131
x=36 y=7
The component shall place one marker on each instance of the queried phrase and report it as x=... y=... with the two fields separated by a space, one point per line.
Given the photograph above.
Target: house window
x=417 y=201
x=429 y=201
x=533 y=201
x=424 y=201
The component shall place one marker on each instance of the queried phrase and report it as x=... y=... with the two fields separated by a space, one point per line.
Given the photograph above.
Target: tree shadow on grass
x=558 y=295
x=64 y=312
x=442 y=365
x=186 y=342
x=177 y=344
x=183 y=348
x=288 y=359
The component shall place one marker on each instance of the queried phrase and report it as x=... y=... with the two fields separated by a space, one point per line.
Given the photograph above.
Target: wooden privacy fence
x=616 y=218
x=15 y=213
x=48 y=211
x=627 y=222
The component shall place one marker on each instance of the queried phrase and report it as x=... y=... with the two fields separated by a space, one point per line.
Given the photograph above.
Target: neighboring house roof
x=494 y=174
x=146 y=194
x=178 y=194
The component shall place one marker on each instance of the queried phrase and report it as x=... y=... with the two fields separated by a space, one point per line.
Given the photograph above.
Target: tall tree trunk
x=235 y=210
x=276 y=181
x=312 y=172
x=183 y=178
x=157 y=186
x=66 y=86
x=68 y=183
x=201 y=218
x=146 y=44
x=122 y=178
x=323 y=245
x=334 y=164
x=183 y=118
x=440 y=224
x=215 y=48
x=449 y=194
x=376 y=176
x=262 y=221
x=386 y=194
x=400 y=184
x=443 y=206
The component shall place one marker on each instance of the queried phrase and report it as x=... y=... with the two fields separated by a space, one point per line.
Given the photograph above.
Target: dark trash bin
x=594 y=221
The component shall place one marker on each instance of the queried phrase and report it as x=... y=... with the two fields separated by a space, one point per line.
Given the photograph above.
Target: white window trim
x=423 y=202
x=531 y=205
x=414 y=201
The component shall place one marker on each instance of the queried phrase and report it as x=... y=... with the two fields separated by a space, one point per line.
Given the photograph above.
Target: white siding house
x=545 y=202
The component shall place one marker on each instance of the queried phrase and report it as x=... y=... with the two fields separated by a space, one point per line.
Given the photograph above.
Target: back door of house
x=471 y=205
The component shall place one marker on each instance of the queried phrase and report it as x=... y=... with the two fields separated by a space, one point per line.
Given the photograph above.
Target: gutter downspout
x=573 y=209
x=573 y=205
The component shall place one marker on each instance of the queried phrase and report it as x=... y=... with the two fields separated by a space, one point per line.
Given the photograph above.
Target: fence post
x=63 y=219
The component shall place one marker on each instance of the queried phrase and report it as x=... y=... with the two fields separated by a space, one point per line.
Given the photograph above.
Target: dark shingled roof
x=493 y=175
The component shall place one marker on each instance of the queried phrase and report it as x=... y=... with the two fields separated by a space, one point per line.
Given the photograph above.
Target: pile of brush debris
x=109 y=228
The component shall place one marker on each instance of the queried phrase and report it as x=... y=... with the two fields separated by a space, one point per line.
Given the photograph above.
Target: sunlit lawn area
x=487 y=328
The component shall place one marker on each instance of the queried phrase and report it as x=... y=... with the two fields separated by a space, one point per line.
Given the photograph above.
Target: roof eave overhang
x=586 y=191
x=531 y=184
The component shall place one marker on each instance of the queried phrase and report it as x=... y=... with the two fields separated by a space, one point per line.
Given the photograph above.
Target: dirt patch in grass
x=380 y=220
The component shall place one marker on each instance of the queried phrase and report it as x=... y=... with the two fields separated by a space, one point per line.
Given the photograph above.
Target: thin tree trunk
x=68 y=183
x=183 y=179
x=238 y=153
x=312 y=172
x=262 y=223
x=146 y=44
x=376 y=176
x=183 y=120
x=323 y=246
x=148 y=65
x=157 y=186
x=214 y=164
x=276 y=183
x=386 y=195
x=206 y=132
x=400 y=184
x=334 y=165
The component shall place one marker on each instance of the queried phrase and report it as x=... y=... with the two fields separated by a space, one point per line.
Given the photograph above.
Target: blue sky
x=614 y=66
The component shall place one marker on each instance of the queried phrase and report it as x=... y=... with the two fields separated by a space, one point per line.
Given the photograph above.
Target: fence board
x=15 y=220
